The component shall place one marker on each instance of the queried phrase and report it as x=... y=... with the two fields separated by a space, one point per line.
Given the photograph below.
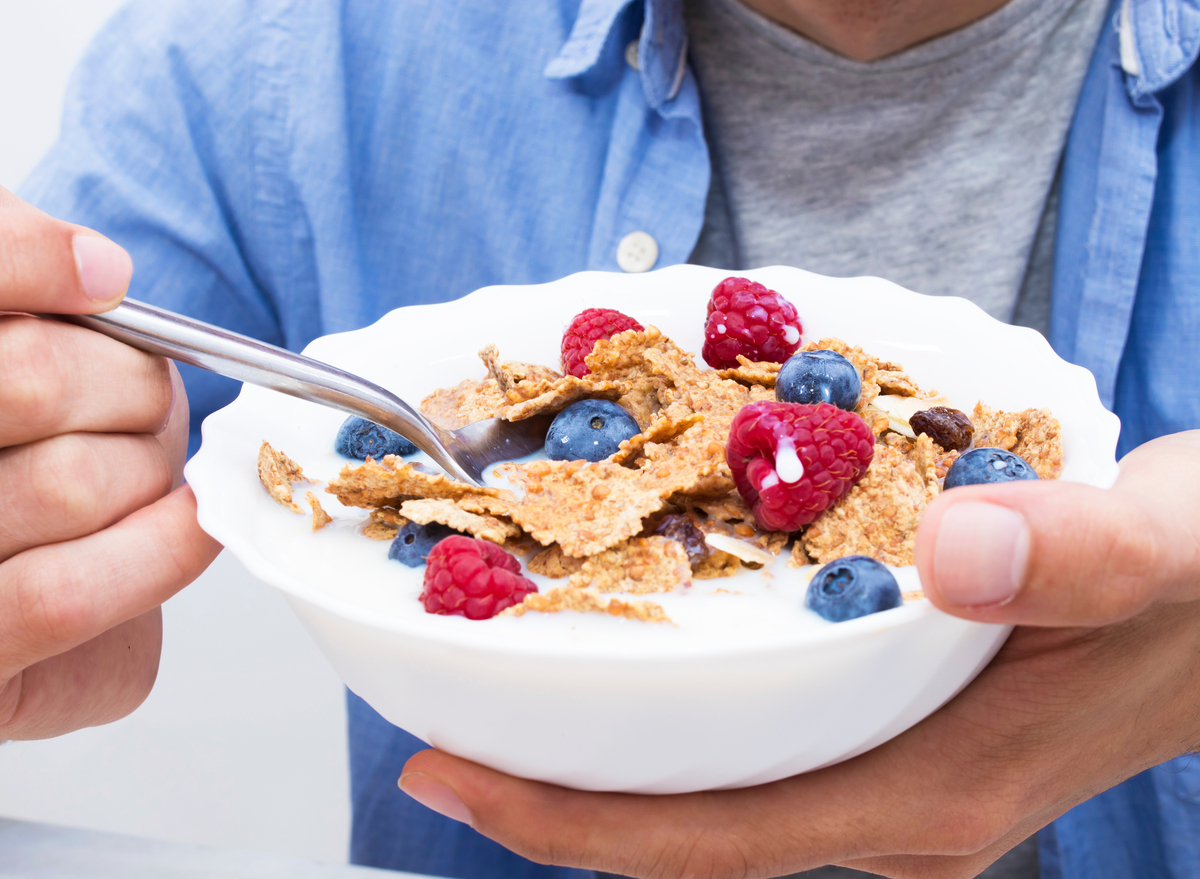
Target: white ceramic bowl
x=603 y=703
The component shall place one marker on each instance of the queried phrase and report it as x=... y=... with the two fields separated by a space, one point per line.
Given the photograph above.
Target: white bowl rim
x=907 y=615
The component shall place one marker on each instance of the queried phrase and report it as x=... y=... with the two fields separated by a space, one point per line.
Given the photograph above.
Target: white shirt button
x=631 y=55
x=637 y=252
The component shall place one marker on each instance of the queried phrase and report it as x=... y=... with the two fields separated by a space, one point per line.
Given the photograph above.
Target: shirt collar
x=662 y=45
x=1160 y=40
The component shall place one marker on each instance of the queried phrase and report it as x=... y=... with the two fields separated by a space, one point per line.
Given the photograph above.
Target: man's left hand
x=1098 y=682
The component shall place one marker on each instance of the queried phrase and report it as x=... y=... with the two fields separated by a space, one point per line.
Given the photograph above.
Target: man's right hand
x=96 y=529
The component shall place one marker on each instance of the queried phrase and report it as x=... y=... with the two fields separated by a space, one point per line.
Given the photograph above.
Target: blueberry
x=982 y=466
x=819 y=377
x=589 y=429
x=412 y=544
x=358 y=438
x=852 y=587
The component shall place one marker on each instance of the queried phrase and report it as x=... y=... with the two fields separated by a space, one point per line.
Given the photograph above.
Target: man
x=292 y=169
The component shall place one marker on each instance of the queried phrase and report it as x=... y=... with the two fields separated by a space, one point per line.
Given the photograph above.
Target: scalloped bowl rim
x=262 y=567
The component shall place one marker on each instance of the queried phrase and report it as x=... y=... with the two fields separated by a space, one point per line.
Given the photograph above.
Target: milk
x=741 y=610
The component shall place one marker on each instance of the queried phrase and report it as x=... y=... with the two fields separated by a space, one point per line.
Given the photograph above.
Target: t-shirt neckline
x=1014 y=20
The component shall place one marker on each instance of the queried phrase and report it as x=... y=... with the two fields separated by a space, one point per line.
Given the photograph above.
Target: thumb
x=47 y=265
x=1066 y=554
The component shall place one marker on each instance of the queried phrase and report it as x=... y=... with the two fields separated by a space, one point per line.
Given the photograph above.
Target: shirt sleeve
x=157 y=151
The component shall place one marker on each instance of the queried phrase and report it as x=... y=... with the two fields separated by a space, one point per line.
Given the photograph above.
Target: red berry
x=832 y=451
x=586 y=329
x=472 y=578
x=748 y=319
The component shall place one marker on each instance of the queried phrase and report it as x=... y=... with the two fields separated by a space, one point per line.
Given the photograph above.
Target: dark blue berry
x=413 y=542
x=589 y=429
x=983 y=466
x=819 y=377
x=852 y=587
x=359 y=438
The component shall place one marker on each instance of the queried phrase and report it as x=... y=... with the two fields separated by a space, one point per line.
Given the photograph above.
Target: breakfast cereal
x=663 y=511
x=319 y=517
x=571 y=598
x=277 y=472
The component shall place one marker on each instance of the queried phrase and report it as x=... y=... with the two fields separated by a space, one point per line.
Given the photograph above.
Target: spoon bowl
x=464 y=453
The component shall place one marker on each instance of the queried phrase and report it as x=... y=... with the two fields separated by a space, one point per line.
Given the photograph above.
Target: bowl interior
x=945 y=343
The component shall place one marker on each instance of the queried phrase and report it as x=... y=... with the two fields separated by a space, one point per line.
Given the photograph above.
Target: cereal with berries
x=659 y=473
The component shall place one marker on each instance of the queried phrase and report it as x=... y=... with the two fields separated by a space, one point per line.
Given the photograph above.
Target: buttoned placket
x=1116 y=233
x=1143 y=52
x=655 y=182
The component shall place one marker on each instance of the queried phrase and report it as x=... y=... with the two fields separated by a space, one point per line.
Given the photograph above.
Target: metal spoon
x=464 y=453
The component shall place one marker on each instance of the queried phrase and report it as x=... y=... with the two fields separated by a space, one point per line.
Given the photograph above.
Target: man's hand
x=1060 y=715
x=95 y=532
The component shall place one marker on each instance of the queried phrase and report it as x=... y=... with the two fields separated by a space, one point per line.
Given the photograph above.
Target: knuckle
x=1131 y=560
x=36 y=262
x=547 y=849
x=15 y=240
x=704 y=857
x=48 y=611
x=73 y=484
x=967 y=827
x=691 y=856
x=543 y=852
x=30 y=371
x=65 y=477
x=76 y=476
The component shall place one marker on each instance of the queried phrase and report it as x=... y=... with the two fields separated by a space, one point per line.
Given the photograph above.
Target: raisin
x=683 y=531
x=949 y=428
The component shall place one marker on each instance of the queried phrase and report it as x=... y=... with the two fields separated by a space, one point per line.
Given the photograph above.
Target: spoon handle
x=163 y=332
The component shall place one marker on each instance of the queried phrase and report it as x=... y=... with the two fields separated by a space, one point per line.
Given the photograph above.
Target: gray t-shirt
x=934 y=167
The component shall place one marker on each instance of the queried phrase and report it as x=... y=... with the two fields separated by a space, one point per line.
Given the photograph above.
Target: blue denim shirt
x=289 y=168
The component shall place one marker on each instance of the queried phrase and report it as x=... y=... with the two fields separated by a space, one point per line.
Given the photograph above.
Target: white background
x=242 y=743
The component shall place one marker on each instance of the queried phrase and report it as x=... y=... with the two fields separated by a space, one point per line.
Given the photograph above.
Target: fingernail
x=980 y=555
x=104 y=267
x=434 y=795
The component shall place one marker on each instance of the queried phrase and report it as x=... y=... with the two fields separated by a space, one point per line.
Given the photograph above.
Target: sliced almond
x=739 y=548
x=900 y=410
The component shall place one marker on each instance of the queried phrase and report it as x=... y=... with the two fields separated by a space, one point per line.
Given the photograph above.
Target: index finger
x=47 y=265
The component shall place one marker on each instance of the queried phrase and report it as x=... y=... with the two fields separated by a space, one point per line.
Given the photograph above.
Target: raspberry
x=792 y=461
x=748 y=319
x=586 y=329
x=472 y=578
